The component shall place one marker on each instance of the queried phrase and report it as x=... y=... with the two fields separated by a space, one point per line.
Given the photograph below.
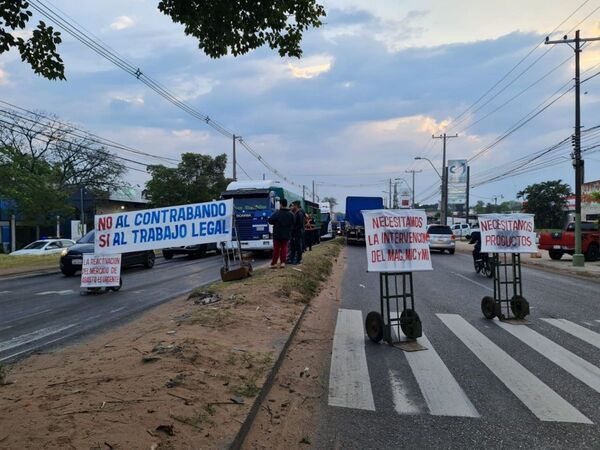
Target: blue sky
x=374 y=83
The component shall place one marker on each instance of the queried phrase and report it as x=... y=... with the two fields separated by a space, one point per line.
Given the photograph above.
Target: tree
x=36 y=194
x=220 y=26
x=36 y=140
x=196 y=179
x=332 y=201
x=547 y=201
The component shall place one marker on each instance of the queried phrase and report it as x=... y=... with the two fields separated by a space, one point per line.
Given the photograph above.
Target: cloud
x=311 y=67
x=191 y=87
x=122 y=23
x=128 y=98
x=3 y=77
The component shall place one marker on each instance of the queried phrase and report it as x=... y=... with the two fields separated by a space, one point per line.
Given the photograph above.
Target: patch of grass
x=210 y=409
x=257 y=364
x=26 y=262
x=3 y=375
x=209 y=317
x=231 y=359
x=247 y=389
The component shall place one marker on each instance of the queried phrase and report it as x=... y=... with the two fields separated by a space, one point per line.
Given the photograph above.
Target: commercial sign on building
x=397 y=240
x=507 y=233
x=457 y=181
x=172 y=226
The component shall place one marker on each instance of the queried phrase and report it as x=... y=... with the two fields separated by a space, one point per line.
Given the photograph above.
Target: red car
x=560 y=242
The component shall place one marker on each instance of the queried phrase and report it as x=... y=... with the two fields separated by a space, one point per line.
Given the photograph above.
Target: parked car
x=441 y=238
x=72 y=258
x=44 y=247
x=560 y=242
x=461 y=230
x=195 y=251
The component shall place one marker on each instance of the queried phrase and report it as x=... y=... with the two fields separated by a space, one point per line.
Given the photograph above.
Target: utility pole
x=444 y=208
x=234 y=159
x=81 y=213
x=467 y=193
x=413 y=184
x=578 y=258
x=395 y=203
x=313 y=191
x=13 y=233
x=303 y=192
x=390 y=195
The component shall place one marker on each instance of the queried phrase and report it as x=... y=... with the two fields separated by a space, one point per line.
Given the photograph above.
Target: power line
x=120 y=62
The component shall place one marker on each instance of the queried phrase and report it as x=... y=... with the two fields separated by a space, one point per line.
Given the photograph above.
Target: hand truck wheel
x=374 y=326
x=411 y=324
x=519 y=306
x=488 y=307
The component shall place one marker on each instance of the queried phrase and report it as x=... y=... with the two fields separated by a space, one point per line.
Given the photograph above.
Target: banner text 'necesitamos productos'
x=396 y=240
x=172 y=226
x=507 y=233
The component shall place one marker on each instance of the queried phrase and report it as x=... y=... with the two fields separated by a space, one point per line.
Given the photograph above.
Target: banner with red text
x=507 y=233
x=397 y=240
x=100 y=270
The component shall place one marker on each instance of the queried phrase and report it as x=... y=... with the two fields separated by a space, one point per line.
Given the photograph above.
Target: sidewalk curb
x=245 y=429
x=29 y=274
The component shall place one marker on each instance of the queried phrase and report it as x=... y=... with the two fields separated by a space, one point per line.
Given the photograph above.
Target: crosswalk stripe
x=443 y=395
x=402 y=404
x=578 y=331
x=349 y=382
x=541 y=400
x=576 y=366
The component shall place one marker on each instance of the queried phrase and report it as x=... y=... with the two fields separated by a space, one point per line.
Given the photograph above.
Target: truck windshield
x=251 y=203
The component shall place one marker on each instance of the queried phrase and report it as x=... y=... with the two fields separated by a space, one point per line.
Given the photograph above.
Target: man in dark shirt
x=283 y=222
x=297 y=242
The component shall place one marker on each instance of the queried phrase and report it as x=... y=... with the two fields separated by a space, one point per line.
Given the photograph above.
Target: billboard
x=457 y=181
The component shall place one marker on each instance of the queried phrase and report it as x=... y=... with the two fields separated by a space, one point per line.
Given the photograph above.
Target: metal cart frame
x=394 y=286
x=508 y=302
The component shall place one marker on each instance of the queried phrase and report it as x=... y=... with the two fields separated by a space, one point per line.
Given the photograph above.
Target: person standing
x=297 y=242
x=283 y=222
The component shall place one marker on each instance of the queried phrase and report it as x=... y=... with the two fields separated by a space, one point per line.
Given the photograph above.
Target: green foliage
x=595 y=196
x=504 y=207
x=547 y=201
x=197 y=178
x=39 y=51
x=221 y=27
x=33 y=187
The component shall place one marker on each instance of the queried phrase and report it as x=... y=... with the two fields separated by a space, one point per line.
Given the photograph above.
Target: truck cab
x=558 y=243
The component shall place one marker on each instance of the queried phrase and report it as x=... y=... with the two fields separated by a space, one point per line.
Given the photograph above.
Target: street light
x=429 y=161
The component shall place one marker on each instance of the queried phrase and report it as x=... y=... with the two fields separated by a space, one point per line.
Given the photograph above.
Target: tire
x=68 y=273
x=150 y=259
x=592 y=253
x=487 y=269
x=477 y=265
x=519 y=307
x=555 y=254
x=410 y=323
x=201 y=253
x=488 y=307
x=374 y=326
x=451 y=251
x=167 y=255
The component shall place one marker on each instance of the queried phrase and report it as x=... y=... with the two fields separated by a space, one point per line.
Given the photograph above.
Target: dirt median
x=184 y=375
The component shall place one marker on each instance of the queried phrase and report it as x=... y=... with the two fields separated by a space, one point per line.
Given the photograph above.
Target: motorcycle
x=483 y=265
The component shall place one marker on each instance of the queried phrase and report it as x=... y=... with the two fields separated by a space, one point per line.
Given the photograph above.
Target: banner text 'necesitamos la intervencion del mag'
x=397 y=240
x=172 y=226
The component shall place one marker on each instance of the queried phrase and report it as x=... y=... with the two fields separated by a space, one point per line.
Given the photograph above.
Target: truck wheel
x=68 y=273
x=555 y=254
x=167 y=255
x=592 y=253
x=149 y=264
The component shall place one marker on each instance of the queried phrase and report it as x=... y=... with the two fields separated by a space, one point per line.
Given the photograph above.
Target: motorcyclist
x=476 y=240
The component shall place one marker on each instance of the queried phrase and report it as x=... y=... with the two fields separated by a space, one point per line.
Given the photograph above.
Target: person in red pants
x=283 y=222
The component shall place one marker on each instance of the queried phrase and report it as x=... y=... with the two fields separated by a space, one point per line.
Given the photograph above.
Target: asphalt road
x=48 y=310
x=480 y=383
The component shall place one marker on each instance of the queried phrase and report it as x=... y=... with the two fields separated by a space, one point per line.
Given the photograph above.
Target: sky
x=374 y=83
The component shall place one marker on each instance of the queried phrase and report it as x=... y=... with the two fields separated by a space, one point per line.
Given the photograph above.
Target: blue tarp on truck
x=355 y=223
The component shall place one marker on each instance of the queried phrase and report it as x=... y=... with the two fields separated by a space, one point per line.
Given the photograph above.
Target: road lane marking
x=118 y=309
x=5 y=292
x=538 y=397
x=473 y=281
x=349 y=382
x=6 y=327
x=36 y=335
x=402 y=404
x=568 y=361
x=578 y=331
x=65 y=292
x=442 y=393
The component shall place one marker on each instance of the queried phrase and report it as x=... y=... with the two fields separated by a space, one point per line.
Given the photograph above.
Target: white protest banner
x=507 y=233
x=397 y=240
x=172 y=226
x=100 y=270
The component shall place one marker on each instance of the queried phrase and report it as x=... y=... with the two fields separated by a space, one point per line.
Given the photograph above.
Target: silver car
x=441 y=238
